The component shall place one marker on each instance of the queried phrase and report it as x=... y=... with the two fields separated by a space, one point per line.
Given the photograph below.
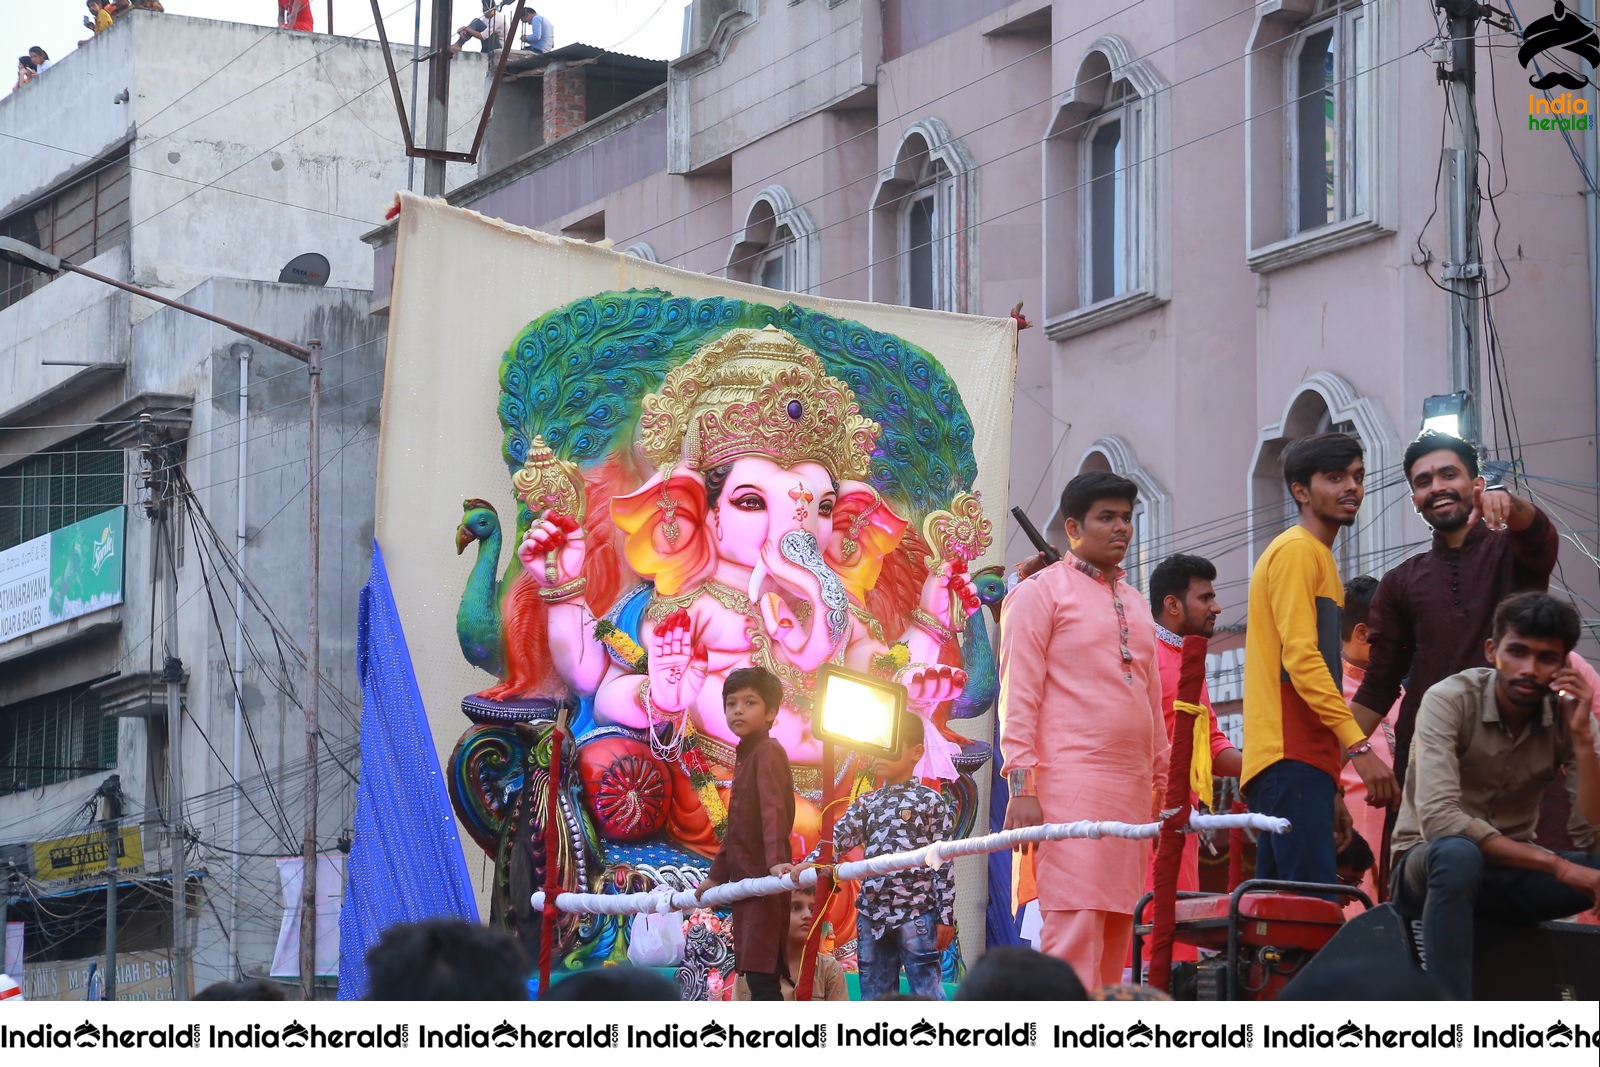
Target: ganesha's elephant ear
x=867 y=530
x=667 y=536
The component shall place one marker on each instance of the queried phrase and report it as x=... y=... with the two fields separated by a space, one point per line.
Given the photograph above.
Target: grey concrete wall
x=68 y=118
x=275 y=558
x=756 y=75
x=248 y=145
x=70 y=319
x=177 y=353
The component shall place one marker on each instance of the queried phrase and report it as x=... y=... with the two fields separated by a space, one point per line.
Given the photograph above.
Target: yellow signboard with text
x=73 y=857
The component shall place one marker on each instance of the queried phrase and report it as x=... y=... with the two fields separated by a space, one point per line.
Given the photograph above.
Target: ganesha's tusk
x=758 y=575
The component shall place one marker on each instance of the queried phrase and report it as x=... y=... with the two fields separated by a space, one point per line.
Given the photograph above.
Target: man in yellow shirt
x=1297 y=727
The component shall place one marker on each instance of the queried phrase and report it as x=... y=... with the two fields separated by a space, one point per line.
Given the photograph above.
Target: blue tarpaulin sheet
x=406 y=862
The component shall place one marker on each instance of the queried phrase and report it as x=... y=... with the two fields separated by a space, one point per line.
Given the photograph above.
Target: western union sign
x=81 y=854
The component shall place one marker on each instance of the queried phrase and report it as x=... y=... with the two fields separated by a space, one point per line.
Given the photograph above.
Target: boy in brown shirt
x=760 y=819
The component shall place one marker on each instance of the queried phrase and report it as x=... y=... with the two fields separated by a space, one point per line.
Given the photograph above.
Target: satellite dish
x=308 y=269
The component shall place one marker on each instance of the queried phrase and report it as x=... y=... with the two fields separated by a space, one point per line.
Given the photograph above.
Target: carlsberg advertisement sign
x=62 y=574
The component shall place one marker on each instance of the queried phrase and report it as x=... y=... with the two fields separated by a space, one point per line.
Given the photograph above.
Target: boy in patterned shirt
x=903 y=919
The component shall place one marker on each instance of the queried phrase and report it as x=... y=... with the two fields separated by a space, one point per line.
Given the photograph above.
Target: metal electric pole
x=110 y=794
x=308 y=846
x=161 y=460
x=1463 y=271
x=160 y=463
x=438 y=98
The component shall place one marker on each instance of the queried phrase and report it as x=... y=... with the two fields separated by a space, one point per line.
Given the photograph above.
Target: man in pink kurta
x=1081 y=727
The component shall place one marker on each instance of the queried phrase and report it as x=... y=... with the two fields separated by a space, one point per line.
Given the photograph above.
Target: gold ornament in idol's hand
x=959 y=533
x=548 y=483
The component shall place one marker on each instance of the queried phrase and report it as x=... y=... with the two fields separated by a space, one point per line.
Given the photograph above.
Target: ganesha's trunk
x=824 y=591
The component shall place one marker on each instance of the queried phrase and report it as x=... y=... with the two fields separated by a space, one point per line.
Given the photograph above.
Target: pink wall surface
x=1192 y=383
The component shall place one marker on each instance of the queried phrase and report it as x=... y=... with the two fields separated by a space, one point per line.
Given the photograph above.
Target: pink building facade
x=1226 y=220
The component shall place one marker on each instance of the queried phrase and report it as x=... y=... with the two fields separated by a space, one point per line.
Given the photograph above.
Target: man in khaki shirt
x=1488 y=743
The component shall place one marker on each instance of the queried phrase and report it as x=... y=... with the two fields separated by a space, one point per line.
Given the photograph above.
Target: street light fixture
x=26 y=255
x=1443 y=413
x=861 y=713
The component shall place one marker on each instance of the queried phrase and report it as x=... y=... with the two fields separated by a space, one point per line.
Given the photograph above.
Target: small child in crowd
x=760 y=819
x=829 y=981
x=903 y=919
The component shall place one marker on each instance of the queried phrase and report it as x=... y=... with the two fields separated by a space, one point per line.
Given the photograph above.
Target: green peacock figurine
x=478 y=617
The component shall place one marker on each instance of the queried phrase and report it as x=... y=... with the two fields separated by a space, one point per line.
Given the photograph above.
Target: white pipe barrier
x=664 y=901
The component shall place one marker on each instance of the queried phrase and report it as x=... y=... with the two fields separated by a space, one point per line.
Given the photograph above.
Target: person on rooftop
x=295 y=15
x=489 y=28
x=98 y=19
x=540 y=37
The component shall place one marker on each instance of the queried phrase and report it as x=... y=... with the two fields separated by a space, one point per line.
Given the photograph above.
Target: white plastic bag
x=656 y=940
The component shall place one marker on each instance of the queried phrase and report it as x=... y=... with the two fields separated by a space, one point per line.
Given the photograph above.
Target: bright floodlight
x=1443 y=413
x=858 y=711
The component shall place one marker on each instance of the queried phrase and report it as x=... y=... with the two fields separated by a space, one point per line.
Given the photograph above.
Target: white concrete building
x=197 y=159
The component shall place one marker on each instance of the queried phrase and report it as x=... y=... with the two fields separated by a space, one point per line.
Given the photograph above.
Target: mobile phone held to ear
x=1050 y=554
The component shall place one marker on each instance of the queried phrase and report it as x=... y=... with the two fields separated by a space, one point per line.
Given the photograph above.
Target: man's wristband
x=1020 y=782
x=1361 y=748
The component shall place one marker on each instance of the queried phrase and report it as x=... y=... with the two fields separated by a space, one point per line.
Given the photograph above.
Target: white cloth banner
x=330 y=898
x=465 y=286
x=13 y=953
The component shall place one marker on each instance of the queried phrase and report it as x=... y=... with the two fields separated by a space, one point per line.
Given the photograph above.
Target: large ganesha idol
x=699 y=491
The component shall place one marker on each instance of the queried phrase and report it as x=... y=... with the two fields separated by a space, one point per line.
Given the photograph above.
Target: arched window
x=1325 y=402
x=1323 y=86
x=777 y=247
x=1316 y=88
x=642 y=250
x=1104 y=197
x=923 y=244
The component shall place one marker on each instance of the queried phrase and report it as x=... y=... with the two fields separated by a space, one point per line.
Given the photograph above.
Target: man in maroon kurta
x=760 y=819
x=1432 y=612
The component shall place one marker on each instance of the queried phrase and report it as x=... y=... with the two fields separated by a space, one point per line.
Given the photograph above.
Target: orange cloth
x=1088 y=723
x=1024 y=884
x=1096 y=943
